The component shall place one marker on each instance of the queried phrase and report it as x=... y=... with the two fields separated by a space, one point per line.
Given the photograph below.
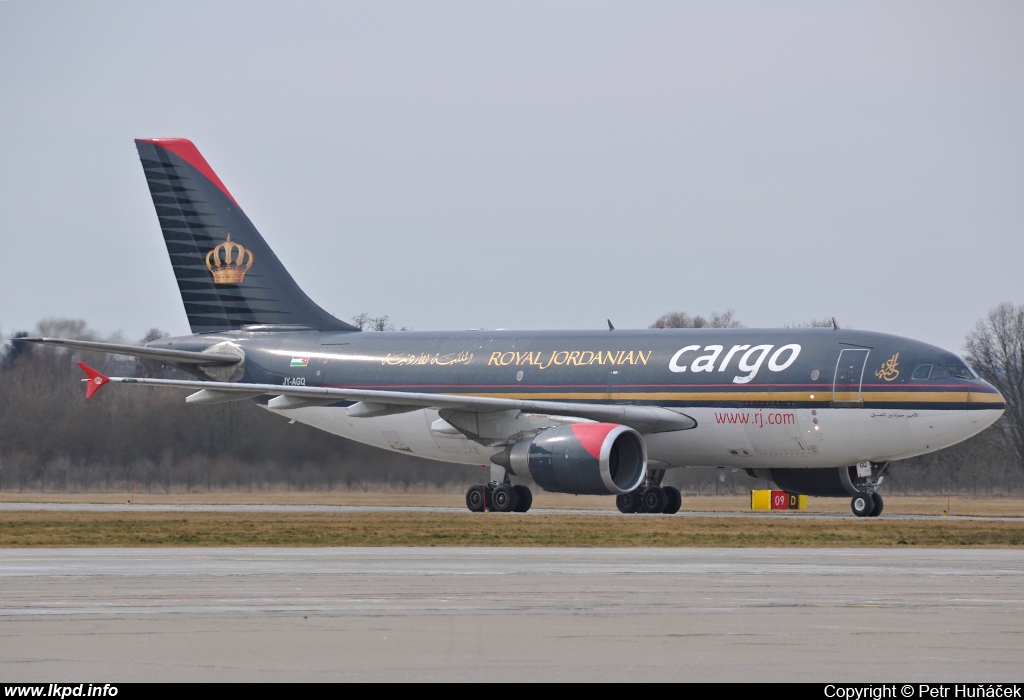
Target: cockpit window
x=921 y=372
x=961 y=372
x=939 y=372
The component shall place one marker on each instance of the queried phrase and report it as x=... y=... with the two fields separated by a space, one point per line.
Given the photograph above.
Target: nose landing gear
x=866 y=478
x=867 y=504
x=862 y=504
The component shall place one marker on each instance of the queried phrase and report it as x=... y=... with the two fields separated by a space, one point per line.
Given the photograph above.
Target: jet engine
x=591 y=458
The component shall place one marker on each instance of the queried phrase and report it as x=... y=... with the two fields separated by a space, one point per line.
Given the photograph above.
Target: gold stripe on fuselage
x=824 y=397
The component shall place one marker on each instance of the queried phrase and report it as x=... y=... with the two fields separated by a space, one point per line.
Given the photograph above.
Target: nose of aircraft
x=990 y=406
x=987 y=394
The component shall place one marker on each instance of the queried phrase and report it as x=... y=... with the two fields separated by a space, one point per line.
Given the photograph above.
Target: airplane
x=818 y=411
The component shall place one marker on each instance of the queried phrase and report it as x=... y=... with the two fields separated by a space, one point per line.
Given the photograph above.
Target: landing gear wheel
x=673 y=500
x=654 y=499
x=862 y=504
x=524 y=498
x=503 y=499
x=877 y=510
x=475 y=498
x=628 y=502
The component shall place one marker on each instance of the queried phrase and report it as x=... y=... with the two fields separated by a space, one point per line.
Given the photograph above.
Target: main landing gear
x=500 y=498
x=651 y=497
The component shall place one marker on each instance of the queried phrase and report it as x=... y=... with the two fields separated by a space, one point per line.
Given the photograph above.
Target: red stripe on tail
x=187 y=151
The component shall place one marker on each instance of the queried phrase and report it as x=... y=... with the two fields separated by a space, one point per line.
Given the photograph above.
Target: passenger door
x=849 y=376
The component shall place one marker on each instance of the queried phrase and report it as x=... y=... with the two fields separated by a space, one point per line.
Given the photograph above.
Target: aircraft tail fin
x=227 y=274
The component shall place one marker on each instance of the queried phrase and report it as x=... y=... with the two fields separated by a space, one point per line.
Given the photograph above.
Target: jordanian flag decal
x=300 y=362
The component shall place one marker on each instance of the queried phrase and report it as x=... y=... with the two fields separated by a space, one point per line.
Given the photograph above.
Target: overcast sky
x=529 y=164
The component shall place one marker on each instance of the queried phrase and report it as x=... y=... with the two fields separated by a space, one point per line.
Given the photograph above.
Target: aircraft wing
x=372 y=402
x=166 y=355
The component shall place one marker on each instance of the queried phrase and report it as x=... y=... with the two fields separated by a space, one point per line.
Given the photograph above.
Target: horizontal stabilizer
x=159 y=354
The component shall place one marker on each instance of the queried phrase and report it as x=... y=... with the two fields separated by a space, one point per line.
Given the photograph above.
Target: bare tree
x=381 y=323
x=681 y=319
x=12 y=351
x=995 y=348
x=52 y=438
x=366 y=322
x=74 y=328
x=823 y=322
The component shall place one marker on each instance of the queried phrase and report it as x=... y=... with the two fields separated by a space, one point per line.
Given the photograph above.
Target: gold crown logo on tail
x=229 y=262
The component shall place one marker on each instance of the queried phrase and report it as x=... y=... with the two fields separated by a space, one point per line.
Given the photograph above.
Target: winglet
x=95 y=380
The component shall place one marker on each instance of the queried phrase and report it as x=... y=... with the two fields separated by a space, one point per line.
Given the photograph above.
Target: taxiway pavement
x=505 y=614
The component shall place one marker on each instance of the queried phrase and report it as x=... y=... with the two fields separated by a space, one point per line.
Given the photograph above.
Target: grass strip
x=83 y=529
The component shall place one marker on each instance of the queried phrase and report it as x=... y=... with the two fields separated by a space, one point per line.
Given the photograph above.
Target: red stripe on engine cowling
x=187 y=151
x=592 y=436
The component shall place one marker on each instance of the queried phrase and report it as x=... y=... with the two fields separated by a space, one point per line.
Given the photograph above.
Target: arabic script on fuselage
x=440 y=359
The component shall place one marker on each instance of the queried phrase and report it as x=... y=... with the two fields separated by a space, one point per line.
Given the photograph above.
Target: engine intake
x=582 y=458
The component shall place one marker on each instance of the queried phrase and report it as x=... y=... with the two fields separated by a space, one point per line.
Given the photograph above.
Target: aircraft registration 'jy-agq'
x=817 y=411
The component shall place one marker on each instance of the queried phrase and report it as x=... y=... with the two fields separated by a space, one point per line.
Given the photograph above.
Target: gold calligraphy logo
x=229 y=262
x=889 y=369
x=453 y=358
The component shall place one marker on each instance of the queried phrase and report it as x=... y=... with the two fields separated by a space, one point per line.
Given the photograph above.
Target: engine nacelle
x=828 y=481
x=592 y=458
